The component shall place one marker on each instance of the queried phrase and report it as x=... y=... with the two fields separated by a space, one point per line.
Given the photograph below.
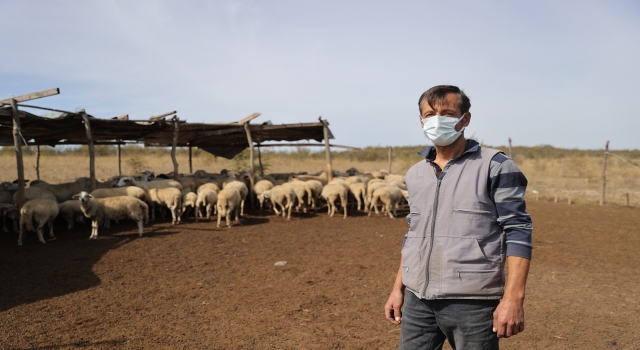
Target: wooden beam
x=305 y=145
x=190 y=161
x=29 y=97
x=162 y=116
x=327 y=151
x=92 y=154
x=252 y=176
x=122 y=117
x=248 y=119
x=17 y=142
x=38 y=162
x=176 y=131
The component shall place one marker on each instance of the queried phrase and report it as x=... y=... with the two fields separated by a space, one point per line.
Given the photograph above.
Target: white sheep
x=31 y=193
x=208 y=199
x=43 y=211
x=228 y=203
x=169 y=197
x=156 y=183
x=70 y=211
x=242 y=190
x=65 y=191
x=260 y=187
x=316 y=190
x=190 y=199
x=390 y=196
x=301 y=189
x=359 y=191
x=330 y=193
x=371 y=187
x=281 y=195
x=131 y=191
x=112 y=208
x=208 y=186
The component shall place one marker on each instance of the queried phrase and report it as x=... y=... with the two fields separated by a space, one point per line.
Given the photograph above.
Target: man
x=467 y=217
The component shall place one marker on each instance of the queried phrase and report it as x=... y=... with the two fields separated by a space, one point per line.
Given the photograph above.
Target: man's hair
x=437 y=95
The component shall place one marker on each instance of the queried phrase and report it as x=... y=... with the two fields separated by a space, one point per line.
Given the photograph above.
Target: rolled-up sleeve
x=507 y=186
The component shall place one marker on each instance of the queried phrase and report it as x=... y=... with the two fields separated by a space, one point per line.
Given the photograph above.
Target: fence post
x=252 y=176
x=190 y=160
x=176 y=133
x=92 y=154
x=510 y=155
x=327 y=151
x=604 y=172
x=17 y=142
x=38 y=162
x=389 y=159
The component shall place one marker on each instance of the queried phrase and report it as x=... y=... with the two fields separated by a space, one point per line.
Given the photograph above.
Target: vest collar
x=430 y=152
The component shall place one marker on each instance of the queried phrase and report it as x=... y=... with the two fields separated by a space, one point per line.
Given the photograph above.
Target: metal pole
x=326 y=149
x=604 y=172
x=17 y=142
x=252 y=178
x=92 y=155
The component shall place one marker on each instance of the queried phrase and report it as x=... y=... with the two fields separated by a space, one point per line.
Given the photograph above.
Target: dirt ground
x=197 y=287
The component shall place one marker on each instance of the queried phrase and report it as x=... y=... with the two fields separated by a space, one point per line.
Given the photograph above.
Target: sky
x=560 y=73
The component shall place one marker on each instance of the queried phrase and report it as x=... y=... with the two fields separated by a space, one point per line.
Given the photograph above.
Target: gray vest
x=454 y=248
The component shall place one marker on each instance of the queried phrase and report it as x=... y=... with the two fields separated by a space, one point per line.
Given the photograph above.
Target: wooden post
x=252 y=178
x=510 y=155
x=537 y=196
x=260 y=160
x=555 y=198
x=326 y=148
x=119 y=160
x=389 y=159
x=628 y=202
x=569 y=201
x=17 y=142
x=604 y=172
x=92 y=155
x=38 y=162
x=176 y=131
x=190 y=160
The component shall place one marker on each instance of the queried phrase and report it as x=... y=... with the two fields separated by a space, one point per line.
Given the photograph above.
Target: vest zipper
x=433 y=227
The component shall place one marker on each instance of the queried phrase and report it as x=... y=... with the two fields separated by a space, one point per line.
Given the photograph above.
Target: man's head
x=448 y=96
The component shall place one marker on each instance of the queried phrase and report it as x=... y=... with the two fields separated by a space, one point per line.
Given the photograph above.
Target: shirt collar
x=430 y=152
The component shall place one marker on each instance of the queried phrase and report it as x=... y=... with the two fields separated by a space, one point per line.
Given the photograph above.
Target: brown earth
x=197 y=287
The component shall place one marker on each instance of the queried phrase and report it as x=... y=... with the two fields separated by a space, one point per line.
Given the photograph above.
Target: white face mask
x=441 y=130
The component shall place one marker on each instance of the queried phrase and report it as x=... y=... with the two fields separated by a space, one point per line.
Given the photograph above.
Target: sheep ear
x=75 y=196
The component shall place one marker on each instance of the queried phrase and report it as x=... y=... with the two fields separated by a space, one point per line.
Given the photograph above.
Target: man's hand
x=508 y=319
x=393 y=306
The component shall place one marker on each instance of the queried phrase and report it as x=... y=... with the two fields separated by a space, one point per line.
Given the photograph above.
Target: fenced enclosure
x=554 y=174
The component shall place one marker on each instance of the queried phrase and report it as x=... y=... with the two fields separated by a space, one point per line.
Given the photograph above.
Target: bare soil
x=193 y=286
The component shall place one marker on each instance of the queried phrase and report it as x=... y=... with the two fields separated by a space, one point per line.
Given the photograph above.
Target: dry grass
x=576 y=177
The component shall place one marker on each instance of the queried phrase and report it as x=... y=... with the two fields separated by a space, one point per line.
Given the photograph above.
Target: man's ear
x=421 y=123
x=467 y=119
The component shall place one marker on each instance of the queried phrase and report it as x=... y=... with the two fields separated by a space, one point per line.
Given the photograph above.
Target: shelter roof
x=221 y=139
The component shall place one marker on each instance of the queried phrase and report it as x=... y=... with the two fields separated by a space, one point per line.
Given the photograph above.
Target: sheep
x=260 y=187
x=394 y=178
x=189 y=200
x=170 y=197
x=129 y=181
x=70 y=211
x=278 y=196
x=43 y=211
x=31 y=193
x=390 y=196
x=64 y=191
x=9 y=211
x=301 y=188
x=242 y=190
x=188 y=184
x=330 y=193
x=112 y=208
x=229 y=201
x=207 y=198
x=316 y=190
x=131 y=191
x=371 y=187
x=322 y=177
x=359 y=191
x=208 y=186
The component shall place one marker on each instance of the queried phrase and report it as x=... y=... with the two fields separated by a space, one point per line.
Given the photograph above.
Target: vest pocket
x=415 y=229
x=467 y=271
x=411 y=263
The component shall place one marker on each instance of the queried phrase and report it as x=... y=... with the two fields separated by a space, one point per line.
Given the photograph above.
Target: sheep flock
x=198 y=195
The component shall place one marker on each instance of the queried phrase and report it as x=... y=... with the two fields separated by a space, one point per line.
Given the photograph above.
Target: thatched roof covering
x=224 y=140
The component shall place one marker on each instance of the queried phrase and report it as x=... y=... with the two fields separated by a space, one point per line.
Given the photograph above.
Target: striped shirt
x=506 y=185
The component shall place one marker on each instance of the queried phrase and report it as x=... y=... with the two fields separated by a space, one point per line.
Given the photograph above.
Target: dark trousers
x=467 y=324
